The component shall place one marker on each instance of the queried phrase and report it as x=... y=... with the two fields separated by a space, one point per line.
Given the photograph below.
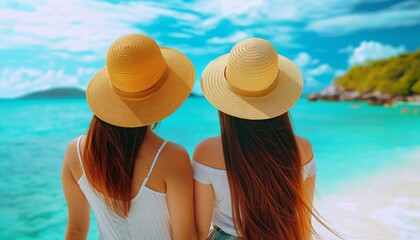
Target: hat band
x=247 y=93
x=143 y=93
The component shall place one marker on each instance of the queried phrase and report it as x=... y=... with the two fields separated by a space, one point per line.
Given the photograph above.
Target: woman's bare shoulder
x=209 y=152
x=71 y=158
x=305 y=149
x=174 y=156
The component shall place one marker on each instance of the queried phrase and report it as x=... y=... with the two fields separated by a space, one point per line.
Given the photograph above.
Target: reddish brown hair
x=264 y=170
x=108 y=159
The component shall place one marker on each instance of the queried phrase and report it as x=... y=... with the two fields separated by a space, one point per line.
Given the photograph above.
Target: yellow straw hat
x=141 y=83
x=252 y=81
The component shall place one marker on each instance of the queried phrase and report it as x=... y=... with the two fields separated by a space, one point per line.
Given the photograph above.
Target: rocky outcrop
x=350 y=96
x=335 y=93
x=331 y=93
x=414 y=98
x=377 y=98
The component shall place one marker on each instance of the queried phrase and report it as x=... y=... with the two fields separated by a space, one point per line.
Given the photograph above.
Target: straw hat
x=252 y=81
x=141 y=83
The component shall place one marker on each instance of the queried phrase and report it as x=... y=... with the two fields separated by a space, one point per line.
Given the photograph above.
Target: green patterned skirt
x=217 y=234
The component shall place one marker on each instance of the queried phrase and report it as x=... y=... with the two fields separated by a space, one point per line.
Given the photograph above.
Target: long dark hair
x=264 y=170
x=108 y=160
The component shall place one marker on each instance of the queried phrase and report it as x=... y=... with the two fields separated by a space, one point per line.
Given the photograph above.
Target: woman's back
x=210 y=169
x=149 y=216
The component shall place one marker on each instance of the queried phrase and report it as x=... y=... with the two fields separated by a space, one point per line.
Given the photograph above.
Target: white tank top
x=148 y=217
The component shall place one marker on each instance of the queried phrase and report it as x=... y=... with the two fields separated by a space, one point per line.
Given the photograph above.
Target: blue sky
x=52 y=43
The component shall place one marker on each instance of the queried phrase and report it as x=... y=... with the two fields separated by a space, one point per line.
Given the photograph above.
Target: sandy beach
x=384 y=205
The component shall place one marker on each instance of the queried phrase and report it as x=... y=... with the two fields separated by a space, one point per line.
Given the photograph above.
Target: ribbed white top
x=217 y=178
x=148 y=217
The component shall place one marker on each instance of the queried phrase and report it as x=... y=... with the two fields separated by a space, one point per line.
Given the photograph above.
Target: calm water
x=350 y=141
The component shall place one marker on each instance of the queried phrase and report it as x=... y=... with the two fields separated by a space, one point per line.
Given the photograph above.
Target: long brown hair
x=264 y=170
x=108 y=160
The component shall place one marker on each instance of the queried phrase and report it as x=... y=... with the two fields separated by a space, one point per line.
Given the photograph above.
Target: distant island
x=62 y=92
x=378 y=82
x=65 y=92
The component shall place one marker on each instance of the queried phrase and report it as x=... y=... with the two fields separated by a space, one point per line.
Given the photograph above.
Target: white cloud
x=83 y=57
x=327 y=16
x=312 y=69
x=180 y=35
x=91 y=58
x=15 y=82
x=405 y=14
x=245 y=13
x=311 y=82
x=233 y=38
x=303 y=60
x=209 y=23
x=320 y=70
x=80 y=26
x=77 y=25
x=222 y=9
x=80 y=72
x=280 y=35
x=201 y=50
x=285 y=40
x=347 y=49
x=317 y=13
x=371 y=50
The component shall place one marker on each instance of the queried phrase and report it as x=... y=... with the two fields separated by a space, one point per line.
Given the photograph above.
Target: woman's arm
x=203 y=190
x=179 y=189
x=203 y=207
x=78 y=207
x=307 y=156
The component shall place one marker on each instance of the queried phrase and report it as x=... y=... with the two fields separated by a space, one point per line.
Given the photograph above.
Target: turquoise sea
x=351 y=141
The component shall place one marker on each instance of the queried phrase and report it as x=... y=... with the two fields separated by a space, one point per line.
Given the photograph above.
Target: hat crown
x=252 y=65
x=134 y=63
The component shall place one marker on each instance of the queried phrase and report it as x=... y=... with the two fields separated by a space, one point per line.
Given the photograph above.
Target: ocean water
x=351 y=142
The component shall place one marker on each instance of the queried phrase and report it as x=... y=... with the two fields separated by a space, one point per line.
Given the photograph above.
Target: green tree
x=416 y=88
x=398 y=75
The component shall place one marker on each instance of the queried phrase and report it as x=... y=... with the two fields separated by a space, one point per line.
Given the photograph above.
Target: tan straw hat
x=252 y=81
x=141 y=84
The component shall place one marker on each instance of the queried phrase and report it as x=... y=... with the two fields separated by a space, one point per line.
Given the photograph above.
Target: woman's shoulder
x=174 y=156
x=305 y=149
x=208 y=143
x=174 y=150
x=209 y=152
x=71 y=159
x=72 y=145
x=174 y=147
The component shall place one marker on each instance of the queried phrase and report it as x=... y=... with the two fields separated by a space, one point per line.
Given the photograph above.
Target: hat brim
x=221 y=95
x=123 y=112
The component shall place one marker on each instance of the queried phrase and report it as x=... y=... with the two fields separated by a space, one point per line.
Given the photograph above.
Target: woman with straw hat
x=256 y=180
x=138 y=185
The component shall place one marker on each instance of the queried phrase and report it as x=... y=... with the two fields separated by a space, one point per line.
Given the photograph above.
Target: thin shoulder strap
x=153 y=164
x=80 y=154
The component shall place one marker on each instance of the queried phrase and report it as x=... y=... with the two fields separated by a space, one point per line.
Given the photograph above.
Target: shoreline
x=383 y=205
